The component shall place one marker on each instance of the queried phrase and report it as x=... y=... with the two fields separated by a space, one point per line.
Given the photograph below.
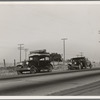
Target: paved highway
x=40 y=85
x=92 y=89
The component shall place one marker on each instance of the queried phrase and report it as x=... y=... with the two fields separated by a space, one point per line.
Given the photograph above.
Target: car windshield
x=44 y=58
x=35 y=58
x=39 y=58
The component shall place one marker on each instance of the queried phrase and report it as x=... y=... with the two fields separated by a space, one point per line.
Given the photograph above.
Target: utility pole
x=20 y=48
x=4 y=62
x=25 y=53
x=81 y=54
x=64 y=49
x=99 y=33
x=77 y=55
x=14 y=62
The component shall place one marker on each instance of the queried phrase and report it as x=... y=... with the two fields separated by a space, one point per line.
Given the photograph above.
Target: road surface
x=47 y=84
x=92 y=89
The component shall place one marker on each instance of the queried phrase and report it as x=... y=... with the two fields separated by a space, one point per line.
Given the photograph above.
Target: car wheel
x=38 y=71
x=85 y=67
x=79 y=67
x=69 y=67
x=90 y=66
x=19 y=72
x=50 y=68
x=33 y=70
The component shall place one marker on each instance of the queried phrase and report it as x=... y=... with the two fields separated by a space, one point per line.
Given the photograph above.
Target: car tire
x=33 y=70
x=69 y=67
x=79 y=67
x=38 y=71
x=50 y=68
x=90 y=66
x=19 y=72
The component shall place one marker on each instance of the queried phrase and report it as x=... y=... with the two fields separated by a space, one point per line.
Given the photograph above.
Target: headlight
x=20 y=63
x=27 y=63
x=28 y=68
x=19 y=66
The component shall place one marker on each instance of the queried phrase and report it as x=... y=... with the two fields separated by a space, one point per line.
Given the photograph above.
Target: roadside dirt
x=10 y=71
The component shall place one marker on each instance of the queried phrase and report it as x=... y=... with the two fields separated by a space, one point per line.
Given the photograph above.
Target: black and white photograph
x=50 y=48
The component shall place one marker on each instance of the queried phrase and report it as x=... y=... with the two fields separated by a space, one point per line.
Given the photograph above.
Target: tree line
x=55 y=57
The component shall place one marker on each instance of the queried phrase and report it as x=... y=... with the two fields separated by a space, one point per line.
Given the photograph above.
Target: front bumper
x=23 y=69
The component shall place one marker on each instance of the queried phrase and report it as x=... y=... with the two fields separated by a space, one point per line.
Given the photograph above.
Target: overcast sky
x=42 y=26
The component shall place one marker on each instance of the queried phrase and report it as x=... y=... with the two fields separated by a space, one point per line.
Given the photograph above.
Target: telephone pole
x=20 y=48
x=81 y=54
x=25 y=53
x=64 y=49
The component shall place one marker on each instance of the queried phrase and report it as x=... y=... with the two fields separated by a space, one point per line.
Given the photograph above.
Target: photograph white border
x=50 y=97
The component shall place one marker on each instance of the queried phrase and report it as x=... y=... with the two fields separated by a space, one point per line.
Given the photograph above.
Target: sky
x=43 y=25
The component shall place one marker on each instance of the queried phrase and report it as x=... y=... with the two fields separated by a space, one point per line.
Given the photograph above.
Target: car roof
x=39 y=55
x=77 y=58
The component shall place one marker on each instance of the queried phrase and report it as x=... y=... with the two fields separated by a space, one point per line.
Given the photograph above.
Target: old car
x=38 y=61
x=79 y=63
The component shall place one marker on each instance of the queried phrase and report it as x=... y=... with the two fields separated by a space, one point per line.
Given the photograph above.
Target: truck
x=39 y=60
x=79 y=63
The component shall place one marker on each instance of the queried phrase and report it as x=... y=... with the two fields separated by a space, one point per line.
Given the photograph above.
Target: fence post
x=53 y=62
x=4 y=62
x=14 y=62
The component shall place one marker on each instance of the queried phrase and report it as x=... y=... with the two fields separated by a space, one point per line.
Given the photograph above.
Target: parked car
x=79 y=63
x=37 y=62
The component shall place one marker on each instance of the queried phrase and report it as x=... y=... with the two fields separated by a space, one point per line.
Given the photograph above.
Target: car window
x=42 y=59
x=46 y=58
x=36 y=58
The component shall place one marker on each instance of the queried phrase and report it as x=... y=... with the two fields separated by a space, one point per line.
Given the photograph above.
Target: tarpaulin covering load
x=38 y=51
